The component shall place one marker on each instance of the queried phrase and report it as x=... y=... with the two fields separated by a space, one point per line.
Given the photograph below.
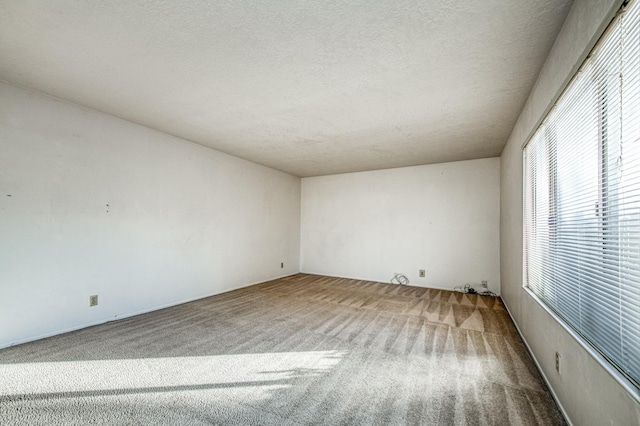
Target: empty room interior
x=314 y=212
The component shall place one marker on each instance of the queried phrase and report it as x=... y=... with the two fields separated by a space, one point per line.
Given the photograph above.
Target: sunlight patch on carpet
x=252 y=376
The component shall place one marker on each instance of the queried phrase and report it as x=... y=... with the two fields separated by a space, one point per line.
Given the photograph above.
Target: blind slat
x=582 y=199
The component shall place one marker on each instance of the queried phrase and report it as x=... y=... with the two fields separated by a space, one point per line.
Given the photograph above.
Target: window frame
x=603 y=152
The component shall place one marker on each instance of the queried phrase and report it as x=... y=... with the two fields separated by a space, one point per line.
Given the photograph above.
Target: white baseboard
x=132 y=314
x=377 y=281
x=544 y=376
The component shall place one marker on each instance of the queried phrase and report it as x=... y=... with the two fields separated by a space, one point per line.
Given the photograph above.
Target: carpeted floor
x=301 y=350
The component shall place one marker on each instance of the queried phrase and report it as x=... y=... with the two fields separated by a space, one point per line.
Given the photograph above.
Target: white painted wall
x=91 y=204
x=586 y=392
x=443 y=218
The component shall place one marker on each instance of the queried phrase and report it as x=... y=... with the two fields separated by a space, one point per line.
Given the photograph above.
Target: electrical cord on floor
x=400 y=279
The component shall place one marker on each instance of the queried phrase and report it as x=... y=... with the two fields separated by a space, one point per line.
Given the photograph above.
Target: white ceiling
x=307 y=87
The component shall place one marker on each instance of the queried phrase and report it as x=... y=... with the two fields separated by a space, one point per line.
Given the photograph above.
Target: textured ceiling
x=307 y=87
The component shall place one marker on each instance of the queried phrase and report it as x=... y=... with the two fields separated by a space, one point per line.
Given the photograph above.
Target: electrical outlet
x=93 y=300
x=484 y=284
x=557 y=362
x=281 y=265
x=421 y=274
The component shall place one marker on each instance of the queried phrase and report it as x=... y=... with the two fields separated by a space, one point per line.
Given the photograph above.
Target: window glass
x=582 y=200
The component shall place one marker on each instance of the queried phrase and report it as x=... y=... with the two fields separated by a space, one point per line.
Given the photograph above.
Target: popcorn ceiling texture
x=307 y=87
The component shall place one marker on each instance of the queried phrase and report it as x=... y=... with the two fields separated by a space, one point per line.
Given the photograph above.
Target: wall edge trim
x=5 y=345
x=535 y=361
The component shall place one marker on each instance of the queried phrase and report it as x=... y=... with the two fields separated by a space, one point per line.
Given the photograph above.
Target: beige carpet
x=301 y=350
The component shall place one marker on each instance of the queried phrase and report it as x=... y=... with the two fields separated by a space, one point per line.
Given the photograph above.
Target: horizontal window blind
x=582 y=200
